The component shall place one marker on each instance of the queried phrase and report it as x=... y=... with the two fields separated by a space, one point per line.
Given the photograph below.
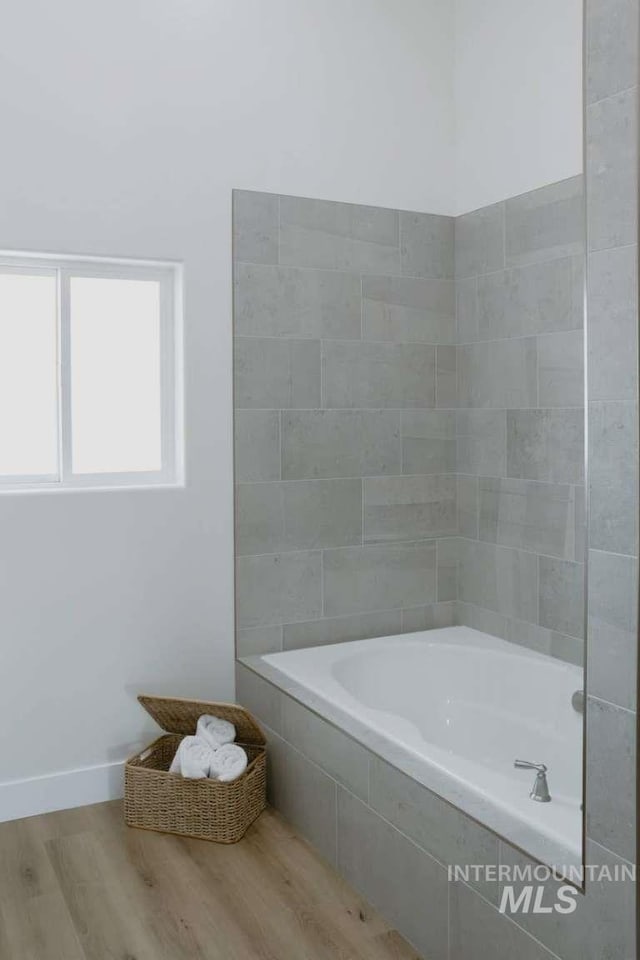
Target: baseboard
x=61 y=791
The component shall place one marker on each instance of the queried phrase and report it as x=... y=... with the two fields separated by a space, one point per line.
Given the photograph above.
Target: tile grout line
x=371 y=271
x=427 y=409
x=616 y=706
x=611 y=96
x=543 y=261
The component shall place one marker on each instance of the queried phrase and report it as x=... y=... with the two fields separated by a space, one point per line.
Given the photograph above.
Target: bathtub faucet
x=540 y=790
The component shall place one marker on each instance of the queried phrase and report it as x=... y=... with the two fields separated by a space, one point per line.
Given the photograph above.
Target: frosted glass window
x=28 y=375
x=115 y=375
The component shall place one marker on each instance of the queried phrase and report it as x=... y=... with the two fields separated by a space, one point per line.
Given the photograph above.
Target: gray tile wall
x=385 y=409
x=612 y=332
x=393 y=840
x=345 y=395
x=520 y=418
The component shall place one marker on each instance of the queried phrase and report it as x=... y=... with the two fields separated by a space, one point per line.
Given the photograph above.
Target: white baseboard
x=61 y=791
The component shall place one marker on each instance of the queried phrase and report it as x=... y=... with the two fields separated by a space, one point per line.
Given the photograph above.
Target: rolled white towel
x=228 y=763
x=193 y=759
x=215 y=731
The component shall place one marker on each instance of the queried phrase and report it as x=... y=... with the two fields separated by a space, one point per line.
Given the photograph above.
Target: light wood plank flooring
x=80 y=885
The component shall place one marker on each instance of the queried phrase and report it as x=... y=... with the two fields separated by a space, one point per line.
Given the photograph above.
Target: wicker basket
x=155 y=799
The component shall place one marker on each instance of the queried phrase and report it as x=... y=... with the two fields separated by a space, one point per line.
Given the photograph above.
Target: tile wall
x=612 y=334
x=520 y=419
x=345 y=394
x=409 y=445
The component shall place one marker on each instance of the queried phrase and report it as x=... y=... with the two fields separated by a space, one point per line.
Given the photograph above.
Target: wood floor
x=80 y=885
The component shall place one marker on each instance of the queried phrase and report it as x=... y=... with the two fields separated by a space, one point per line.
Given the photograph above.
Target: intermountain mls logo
x=530 y=899
x=526 y=888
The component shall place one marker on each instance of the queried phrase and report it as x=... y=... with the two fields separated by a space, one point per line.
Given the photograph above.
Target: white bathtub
x=454 y=708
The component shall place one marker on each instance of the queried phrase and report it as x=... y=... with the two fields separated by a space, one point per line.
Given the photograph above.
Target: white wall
x=125 y=125
x=518 y=91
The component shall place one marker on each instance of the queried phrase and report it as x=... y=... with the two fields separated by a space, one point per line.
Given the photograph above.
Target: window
x=88 y=385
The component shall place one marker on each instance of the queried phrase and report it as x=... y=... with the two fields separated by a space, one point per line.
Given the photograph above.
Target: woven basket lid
x=177 y=715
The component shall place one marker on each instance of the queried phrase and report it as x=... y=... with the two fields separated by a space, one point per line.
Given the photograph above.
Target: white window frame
x=169 y=277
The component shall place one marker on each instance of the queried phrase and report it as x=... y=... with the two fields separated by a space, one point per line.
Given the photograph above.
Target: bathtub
x=454 y=708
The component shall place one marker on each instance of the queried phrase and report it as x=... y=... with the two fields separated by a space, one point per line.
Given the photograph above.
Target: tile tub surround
x=612 y=336
x=520 y=419
x=345 y=395
x=393 y=839
x=409 y=443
